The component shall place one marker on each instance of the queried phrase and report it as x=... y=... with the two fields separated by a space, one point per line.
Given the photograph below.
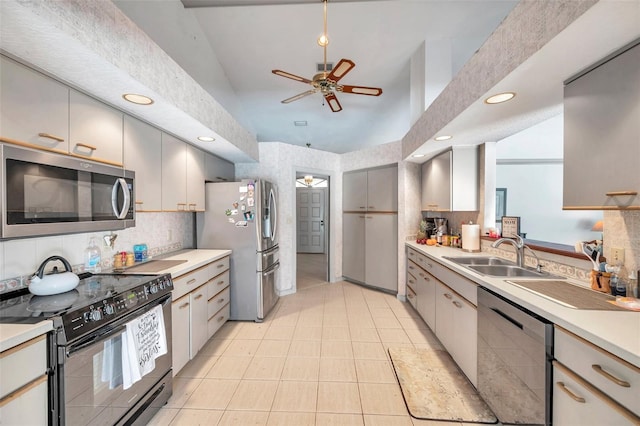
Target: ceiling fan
x=327 y=82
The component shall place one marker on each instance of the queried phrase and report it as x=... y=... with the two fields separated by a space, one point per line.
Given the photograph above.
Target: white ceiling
x=244 y=43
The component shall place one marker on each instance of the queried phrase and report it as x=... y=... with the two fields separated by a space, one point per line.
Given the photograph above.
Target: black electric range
x=97 y=300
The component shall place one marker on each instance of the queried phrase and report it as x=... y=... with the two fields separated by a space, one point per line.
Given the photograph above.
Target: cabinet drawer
x=577 y=402
x=22 y=364
x=217 y=284
x=615 y=377
x=219 y=266
x=412 y=282
x=217 y=302
x=461 y=285
x=190 y=281
x=218 y=320
x=27 y=406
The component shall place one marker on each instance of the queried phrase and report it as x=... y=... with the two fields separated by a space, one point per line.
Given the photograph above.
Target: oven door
x=90 y=379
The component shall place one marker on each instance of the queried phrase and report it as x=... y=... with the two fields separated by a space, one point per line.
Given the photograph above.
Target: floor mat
x=435 y=389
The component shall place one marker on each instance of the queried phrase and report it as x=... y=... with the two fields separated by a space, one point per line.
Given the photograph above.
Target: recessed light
x=418 y=155
x=300 y=123
x=137 y=99
x=499 y=98
x=206 y=138
x=442 y=138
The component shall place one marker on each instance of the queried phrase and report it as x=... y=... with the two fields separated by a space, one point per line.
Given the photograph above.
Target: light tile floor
x=320 y=358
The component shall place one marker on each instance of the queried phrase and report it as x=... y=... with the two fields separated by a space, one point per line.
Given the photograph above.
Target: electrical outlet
x=618 y=255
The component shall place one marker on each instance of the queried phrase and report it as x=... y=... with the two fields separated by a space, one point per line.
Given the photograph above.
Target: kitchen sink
x=497 y=267
x=479 y=260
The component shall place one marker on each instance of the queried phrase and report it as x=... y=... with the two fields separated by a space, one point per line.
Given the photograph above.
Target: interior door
x=310 y=205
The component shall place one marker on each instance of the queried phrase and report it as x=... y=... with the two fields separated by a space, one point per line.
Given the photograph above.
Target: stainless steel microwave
x=43 y=193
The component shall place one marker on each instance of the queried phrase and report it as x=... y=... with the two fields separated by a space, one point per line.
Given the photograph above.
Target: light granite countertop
x=15 y=334
x=615 y=331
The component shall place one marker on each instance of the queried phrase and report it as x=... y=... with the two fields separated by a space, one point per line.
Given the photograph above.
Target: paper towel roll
x=471 y=237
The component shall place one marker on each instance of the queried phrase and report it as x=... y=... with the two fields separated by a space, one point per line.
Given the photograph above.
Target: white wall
x=530 y=167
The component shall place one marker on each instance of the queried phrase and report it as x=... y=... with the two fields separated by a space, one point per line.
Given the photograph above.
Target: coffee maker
x=440 y=228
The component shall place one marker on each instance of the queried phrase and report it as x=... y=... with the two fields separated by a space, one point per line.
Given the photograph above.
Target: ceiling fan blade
x=361 y=90
x=333 y=103
x=299 y=96
x=291 y=76
x=341 y=69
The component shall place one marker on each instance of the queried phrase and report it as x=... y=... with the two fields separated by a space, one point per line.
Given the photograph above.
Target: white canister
x=471 y=237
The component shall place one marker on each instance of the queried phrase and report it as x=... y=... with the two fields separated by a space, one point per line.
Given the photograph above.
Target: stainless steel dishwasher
x=515 y=350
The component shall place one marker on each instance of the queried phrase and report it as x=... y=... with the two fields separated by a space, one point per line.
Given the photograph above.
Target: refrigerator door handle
x=272 y=270
x=271 y=252
x=274 y=217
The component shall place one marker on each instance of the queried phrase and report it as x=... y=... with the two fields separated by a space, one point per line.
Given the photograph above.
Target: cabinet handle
x=220 y=266
x=184 y=305
x=427 y=279
x=362 y=207
x=421 y=274
x=429 y=265
x=621 y=193
x=221 y=300
x=572 y=395
x=198 y=297
x=448 y=296
x=369 y=217
x=50 y=136
x=457 y=304
x=191 y=281
x=411 y=282
x=182 y=206
x=84 y=145
x=361 y=217
x=371 y=207
x=220 y=282
x=192 y=204
x=139 y=202
x=610 y=376
x=410 y=296
x=411 y=267
x=220 y=318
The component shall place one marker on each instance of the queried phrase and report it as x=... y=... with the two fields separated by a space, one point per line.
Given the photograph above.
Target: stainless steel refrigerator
x=242 y=216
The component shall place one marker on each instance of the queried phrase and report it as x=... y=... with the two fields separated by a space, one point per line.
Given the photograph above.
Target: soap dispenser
x=92 y=257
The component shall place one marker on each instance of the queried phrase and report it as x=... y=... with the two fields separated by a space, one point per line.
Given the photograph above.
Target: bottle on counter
x=632 y=284
x=92 y=257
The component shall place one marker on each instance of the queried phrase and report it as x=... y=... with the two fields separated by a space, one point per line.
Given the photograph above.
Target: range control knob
x=93 y=315
x=109 y=309
x=154 y=288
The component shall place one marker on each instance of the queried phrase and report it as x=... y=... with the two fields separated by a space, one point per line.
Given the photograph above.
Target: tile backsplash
x=162 y=232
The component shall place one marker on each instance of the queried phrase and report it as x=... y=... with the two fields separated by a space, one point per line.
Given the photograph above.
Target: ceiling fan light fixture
x=323 y=40
x=442 y=138
x=500 y=98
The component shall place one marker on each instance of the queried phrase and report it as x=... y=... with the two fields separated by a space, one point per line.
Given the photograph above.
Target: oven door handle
x=113 y=329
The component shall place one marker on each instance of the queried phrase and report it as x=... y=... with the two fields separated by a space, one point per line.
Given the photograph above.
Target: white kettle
x=54 y=282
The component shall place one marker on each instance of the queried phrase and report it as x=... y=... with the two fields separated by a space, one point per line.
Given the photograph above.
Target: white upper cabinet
x=602 y=136
x=174 y=174
x=372 y=190
x=34 y=109
x=195 y=179
x=95 y=129
x=354 y=191
x=143 y=154
x=450 y=181
x=217 y=169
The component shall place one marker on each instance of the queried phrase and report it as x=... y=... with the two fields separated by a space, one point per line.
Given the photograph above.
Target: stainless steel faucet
x=518 y=244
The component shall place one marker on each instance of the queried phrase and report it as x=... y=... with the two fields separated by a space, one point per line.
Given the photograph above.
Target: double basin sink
x=497 y=267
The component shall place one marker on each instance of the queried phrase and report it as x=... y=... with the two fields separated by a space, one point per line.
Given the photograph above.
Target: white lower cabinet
x=195 y=294
x=592 y=386
x=180 y=330
x=577 y=402
x=452 y=317
x=23 y=384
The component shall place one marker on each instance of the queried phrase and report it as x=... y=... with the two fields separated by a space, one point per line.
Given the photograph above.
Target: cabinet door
x=217 y=169
x=427 y=300
x=354 y=191
x=28 y=406
x=353 y=246
x=199 y=316
x=180 y=333
x=174 y=174
x=382 y=189
x=602 y=134
x=32 y=105
x=576 y=402
x=381 y=251
x=142 y=155
x=444 y=315
x=436 y=183
x=465 y=337
x=95 y=129
x=195 y=179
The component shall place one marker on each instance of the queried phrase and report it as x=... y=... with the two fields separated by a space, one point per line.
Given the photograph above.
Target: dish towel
x=112 y=362
x=143 y=341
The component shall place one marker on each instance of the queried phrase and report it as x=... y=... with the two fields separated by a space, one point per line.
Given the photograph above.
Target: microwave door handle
x=120 y=183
